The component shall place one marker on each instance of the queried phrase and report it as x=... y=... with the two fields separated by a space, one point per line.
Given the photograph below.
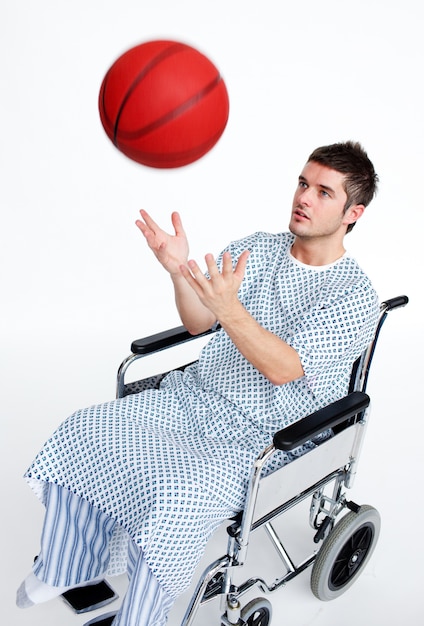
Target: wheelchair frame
x=347 y=544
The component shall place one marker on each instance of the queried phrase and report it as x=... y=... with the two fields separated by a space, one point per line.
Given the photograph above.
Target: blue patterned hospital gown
x=171 y=464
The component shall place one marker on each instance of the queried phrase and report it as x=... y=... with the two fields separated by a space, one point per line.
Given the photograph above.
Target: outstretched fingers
x=240 y=268
x=211 y=265
x=146 y=222
x=229 y=272
x=177 y=224
x=192 y=274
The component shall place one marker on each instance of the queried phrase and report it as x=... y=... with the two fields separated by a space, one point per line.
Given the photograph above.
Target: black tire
x=345 y=552
x=257 y=612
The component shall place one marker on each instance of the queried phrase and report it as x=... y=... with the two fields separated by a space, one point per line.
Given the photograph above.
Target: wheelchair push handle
x=394 y=303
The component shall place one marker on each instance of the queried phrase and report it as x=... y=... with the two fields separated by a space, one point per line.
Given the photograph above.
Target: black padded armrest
x=318 y=422
x=163 y=340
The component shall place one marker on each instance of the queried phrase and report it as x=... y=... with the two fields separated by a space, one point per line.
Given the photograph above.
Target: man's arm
x=269 y=354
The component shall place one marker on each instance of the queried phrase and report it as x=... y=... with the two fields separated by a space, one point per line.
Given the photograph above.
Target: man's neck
x=317 y=252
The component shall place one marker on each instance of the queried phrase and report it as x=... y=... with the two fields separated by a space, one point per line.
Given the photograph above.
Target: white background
x=78 y=284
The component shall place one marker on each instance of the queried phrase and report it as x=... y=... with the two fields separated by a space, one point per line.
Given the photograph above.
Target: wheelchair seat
x=347 y=532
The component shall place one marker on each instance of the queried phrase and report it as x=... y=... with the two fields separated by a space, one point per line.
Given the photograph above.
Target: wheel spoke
x=351 y=556
x=363 y=538
x=257 y=618
x=340 y=572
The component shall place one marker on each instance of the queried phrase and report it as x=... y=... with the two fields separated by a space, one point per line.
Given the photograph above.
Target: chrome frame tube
x=120 y=377
x=242 y=540
x=196 y=599
x=282 y=553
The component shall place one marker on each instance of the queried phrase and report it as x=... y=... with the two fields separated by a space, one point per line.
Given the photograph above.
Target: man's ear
x=353 y=214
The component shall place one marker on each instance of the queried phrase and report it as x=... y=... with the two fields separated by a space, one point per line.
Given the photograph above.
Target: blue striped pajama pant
x=75 y=549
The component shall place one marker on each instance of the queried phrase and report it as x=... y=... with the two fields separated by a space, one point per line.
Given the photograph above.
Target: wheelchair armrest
x=165 y=339
x=328 y=417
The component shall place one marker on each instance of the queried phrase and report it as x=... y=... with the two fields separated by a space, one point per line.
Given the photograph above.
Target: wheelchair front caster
x=257 y=612
x=345 y=552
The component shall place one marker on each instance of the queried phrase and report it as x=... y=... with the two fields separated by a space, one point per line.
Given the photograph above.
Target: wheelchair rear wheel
x=345 y=552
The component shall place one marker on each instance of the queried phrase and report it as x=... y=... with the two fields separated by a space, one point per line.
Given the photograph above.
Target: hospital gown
x=171 y=464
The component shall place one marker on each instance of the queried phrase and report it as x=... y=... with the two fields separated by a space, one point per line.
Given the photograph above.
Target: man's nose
x=304 y=196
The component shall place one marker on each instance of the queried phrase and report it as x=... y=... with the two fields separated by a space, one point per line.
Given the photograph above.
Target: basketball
x=163 y=104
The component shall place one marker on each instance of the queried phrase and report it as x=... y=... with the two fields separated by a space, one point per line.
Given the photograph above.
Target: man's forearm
x=272 y=356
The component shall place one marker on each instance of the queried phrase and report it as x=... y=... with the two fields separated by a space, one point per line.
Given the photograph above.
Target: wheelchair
x=346 y=532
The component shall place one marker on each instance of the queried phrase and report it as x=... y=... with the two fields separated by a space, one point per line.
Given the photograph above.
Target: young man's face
x=318 y=203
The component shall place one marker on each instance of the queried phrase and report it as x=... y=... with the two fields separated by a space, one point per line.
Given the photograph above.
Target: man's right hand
x=170 y=250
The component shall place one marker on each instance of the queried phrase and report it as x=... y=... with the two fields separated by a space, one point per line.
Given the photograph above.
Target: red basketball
x=163 y=104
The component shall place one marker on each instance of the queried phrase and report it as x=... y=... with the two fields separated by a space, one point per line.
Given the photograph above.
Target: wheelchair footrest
x=214 y=587
x=90 y=597
x=102 y=620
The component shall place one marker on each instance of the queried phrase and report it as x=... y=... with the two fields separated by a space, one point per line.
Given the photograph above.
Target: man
x=147 y=479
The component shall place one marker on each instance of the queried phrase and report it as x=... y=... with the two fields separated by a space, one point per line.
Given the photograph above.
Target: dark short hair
x=349 y=158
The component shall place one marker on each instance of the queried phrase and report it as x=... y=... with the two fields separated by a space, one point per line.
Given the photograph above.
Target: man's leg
x=146 y=603
x=74 y=548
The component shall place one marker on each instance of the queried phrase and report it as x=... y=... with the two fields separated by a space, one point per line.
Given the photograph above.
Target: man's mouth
x=301 y=214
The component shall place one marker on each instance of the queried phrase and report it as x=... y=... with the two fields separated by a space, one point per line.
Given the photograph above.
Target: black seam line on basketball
x=177 y=112
x=165 y=54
